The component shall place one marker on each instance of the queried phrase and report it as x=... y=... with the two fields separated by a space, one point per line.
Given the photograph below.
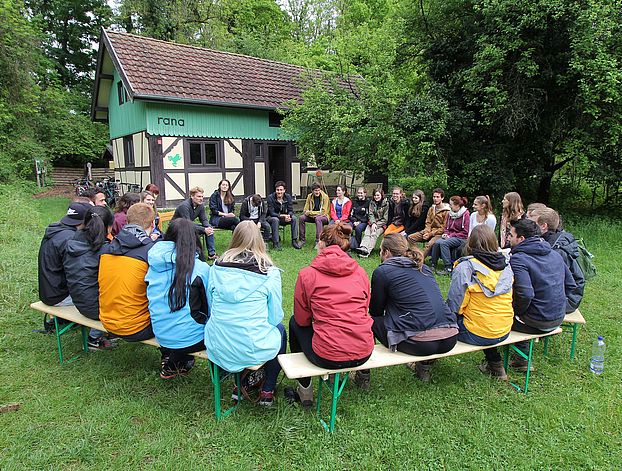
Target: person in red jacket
x=331 y=299
x=341 y=206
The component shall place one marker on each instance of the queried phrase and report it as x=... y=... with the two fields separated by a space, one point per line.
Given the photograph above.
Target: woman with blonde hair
x=482 y=213
x=408 y=309
x=480 y=294
x=149 y=198
x=513 y=210
x=330 y=323
x=245 y=300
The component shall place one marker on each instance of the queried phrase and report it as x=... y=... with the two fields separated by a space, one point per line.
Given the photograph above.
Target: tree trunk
x=544 y=189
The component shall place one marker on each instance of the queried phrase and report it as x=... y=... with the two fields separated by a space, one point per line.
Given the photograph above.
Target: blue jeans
x=210 y=244
x=443 y=248
x=355 y=240
x=273 y=367
x=468 y=337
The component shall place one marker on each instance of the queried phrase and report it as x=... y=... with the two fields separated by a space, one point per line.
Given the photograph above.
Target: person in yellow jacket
x=480 y=294
x=317 y=209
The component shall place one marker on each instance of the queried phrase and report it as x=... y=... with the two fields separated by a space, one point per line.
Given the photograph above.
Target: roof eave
x=190 y=101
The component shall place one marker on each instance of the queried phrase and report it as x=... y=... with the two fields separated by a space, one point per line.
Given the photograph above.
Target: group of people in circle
x=141 y=286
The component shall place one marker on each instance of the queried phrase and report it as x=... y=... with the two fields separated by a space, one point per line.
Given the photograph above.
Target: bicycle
x=132 y=187
x=81 y=185
x=110 y=189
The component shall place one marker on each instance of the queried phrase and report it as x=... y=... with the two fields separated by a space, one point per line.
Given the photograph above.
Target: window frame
x=203 y=142
x=128 y=152
x=122 y=94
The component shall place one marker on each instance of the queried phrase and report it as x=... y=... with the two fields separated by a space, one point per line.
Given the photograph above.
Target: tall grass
x=111 y=410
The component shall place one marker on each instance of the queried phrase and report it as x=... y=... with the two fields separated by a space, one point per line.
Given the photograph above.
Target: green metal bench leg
x=575 y=330
x=546 y=346
x=216 y=381
x=527 y=357
x=85 y=339
x=336 y=392
x=59 y=343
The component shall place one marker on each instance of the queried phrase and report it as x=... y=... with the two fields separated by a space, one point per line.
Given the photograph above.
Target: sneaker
x=362 y=379
x=169 y=370
x=494 y=369
x=235 y=395
x=277 y=246
x=302 y=241
x=297 y=245
x=317 y=245
x=266 y=398
x=520 y=365
x=213 y=256
x=443 y=272
x=99 y=343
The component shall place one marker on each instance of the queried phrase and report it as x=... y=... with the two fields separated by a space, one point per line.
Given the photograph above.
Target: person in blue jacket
x=244 y=295
x=176 y=288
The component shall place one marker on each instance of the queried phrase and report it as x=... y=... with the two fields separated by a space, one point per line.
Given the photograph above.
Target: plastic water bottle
x=597 y=362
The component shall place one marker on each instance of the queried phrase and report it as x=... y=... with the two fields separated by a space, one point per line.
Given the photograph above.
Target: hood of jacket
x=333 y=261
x=345 y=200
x=444 y=207
x=131 y=236
x=403 y=262
x=56 y=228
x=78 y=246
x=564 y=241
x=162 y=256
x=492 y=282
x=535 y=246
x=225 y=277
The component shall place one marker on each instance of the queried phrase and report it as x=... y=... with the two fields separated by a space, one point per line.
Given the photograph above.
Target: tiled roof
x=164 y=70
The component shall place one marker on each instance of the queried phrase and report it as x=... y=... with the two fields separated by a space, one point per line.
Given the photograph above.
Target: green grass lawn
x=111 y=409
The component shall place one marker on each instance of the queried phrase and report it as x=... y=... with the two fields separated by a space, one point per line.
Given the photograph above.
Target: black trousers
x=300 y=340
x=412 y=347
x=179 y=356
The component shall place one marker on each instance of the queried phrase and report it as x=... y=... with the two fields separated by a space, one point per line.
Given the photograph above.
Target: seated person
x=123 y=303
x=563 y=243
x=480 y=294
x=454 y=236
x=330 y=322
x=340 y=206
x=177 y=280
x=120 y=211
x=378 y=207
x=281 y=212
x=408 y=310
x=417 y=213
x=53 y=289
x=512 y=211
x=542 y=285
x=482 y=213
x=193 y=208
x=81 y=264
x=398 y=211
x=317 y=210
x=244 y=296
x=435 y=222
x=149 y=198
x=222 y=207
x=359 y=216
x=254 y=209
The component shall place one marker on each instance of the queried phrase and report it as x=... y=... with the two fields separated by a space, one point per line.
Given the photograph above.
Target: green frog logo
x=173 y=159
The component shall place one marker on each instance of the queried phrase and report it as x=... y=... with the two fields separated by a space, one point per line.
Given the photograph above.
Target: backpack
x=585 y=261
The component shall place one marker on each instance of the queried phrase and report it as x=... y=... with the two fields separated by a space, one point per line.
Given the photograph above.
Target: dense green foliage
x=110 y=410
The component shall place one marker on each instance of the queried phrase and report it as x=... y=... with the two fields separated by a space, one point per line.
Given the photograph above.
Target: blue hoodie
x=245 y=307
x=542 y=283
x=183 y=328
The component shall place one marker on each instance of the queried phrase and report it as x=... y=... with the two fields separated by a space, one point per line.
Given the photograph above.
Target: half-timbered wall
x=140 y=172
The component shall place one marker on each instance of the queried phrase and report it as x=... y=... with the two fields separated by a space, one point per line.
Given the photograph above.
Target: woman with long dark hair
x=330 y=323
x=222 y=207
x=244 y=295
x=120 y=211
x=408 y=309
x=176 y=288
x=378 y=207
x=81 y=265
x=417 y=213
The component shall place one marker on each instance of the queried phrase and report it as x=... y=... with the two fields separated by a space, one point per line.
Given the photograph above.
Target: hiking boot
x=420 y=370
x=266 y=398
x=99 y=343
x=305 y=395
x=362 y=379
x=297 y=245
x=494 y=369
x=520 y=364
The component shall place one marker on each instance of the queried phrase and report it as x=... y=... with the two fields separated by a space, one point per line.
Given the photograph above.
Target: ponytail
x=400 y=246
x=96 y=223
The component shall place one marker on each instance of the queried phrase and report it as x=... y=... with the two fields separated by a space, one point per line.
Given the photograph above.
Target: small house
x=182 y=116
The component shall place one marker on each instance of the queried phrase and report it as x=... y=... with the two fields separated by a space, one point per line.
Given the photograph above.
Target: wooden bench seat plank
x=296 y=365
x=574 y=317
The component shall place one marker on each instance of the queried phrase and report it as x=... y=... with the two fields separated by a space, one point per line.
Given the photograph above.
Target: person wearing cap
x=53 y=289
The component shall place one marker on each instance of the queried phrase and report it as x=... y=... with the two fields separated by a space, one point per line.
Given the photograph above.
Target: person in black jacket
x=254 y=209
x=81 y=264
x=359 y=216
x=564 y=244
x=281 y=212
x=53 y=289
x=398 y=211
x=193 y=208
x=222 y=207
x=417 y=213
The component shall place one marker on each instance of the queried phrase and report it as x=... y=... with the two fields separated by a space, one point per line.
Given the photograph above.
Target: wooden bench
x=572 y=322
x=296 y=365
x=165 y=216
x=71 y=314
